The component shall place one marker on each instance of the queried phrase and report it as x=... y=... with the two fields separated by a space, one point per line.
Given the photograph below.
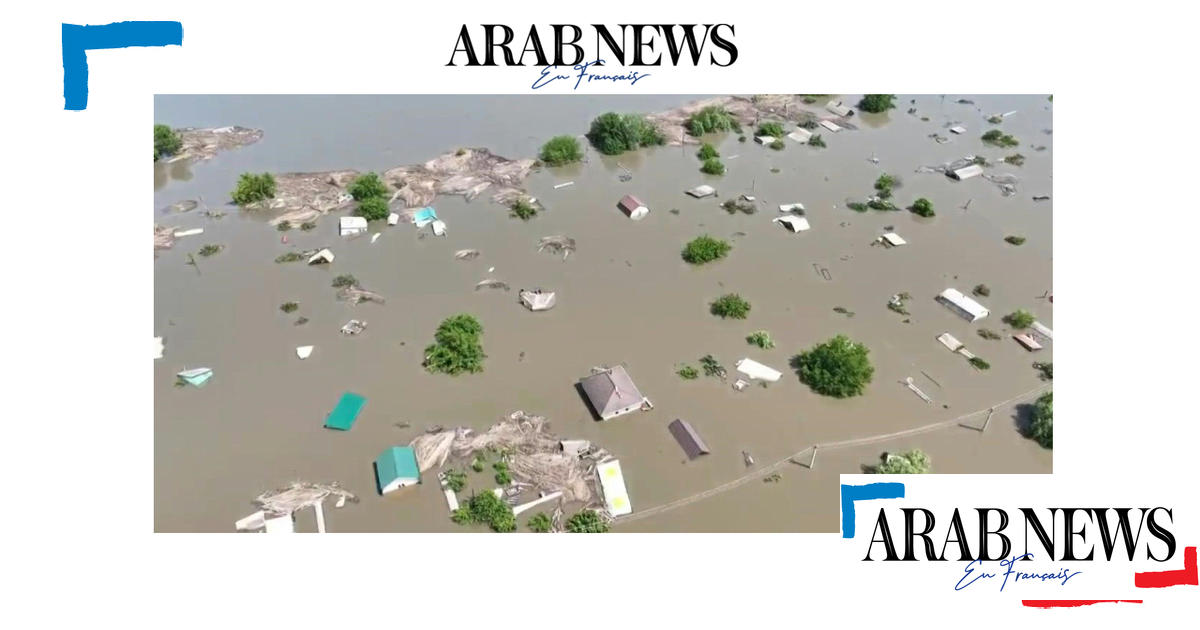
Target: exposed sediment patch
x=204 y=144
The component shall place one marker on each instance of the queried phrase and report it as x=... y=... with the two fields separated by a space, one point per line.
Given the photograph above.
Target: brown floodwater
x=625 y=296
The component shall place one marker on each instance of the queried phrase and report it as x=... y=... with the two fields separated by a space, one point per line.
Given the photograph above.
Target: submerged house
x=395 y=468
x=424 y=217
x=964 y=306
x=322 y=257
x=1027 y=340
x=612 y=484
x=891 y=239
x=633 y=207
x=765 y=139
x=754 y=370
x=801 y=135
x=829 y=124
x=538 y=300
x=690 y=441
x=346 y=412
x=352 y=225
x=966 y=172
x=702 y=191
x=612 y=393
x=792 y=222
x=838 y=108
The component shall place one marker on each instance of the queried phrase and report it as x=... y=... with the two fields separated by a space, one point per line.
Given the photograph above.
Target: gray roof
x=611 y=390
x=687 y=437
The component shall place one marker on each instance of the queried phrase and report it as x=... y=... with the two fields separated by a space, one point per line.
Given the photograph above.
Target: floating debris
x=537 y=299
x=491 y=283
x=466 y=254
x=304 y=352
x=203 y=144
x=356 y=295
x=556 y=244
x=195 y=377
x=354 y=327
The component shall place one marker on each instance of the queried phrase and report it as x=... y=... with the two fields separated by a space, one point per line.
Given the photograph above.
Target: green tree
x=923 y=207
x=884 y=185
x=703 y=249
x=488 y=509
x=586 y=522
x=166 y=142
x=999 y=138
x=1014 y=240
x=252 y=188
x=762 y=339
x=1019 y=318
x=877 y=103
x=367 y=186
x=456 y=348
x=731 y=306
x=713 y=166
x=613 y=133
x=1041 y=426
x=914 y=462
x=707 y=151
x=539 y=523
x=688 y=373
x=503 y=477
x=373 y=209
x=561 y=150
x=773 y=129
x=711 y=119
x=523 y=210
x=456 y=480
x=816 y=141
x=839 y=367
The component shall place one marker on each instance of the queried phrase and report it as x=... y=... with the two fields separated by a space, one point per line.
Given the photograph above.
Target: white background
x=77 y=449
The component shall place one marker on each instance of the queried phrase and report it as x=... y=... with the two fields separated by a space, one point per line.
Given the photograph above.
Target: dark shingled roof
x=611 y=390
x=687 y=437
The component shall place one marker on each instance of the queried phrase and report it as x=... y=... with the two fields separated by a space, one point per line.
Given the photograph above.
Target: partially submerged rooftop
x=612 y=392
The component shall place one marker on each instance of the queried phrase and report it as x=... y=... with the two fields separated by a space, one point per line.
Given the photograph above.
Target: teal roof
x=346 y=412
x=425 y=214
x=397 y=462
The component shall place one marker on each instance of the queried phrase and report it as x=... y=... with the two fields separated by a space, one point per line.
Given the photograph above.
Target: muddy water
x=624 y=297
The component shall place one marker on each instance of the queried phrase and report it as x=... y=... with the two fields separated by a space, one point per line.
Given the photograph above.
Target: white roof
x=702 y=190
x=792 y=207
x=894 y=239
x=950 y=342
x=765 y=139
x=968 y=172
x=304 y=351
x=755 y=370
x=254 y=522
x=1041 y=329
x=281 y=525
x=955 y=297
x=322 y=256
x=538 y=301
x=612 y=483
x=793 y=222
x=828 y=124
x=439 y=228
x=158 y=347
x=800 y=135
x=957 y=129
x=191 y=232
x=353 y=223
x=837 y=108
x=393 y=218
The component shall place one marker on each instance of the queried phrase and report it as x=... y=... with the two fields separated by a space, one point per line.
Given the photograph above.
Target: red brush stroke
x=1073 y=603
x=1161 y=579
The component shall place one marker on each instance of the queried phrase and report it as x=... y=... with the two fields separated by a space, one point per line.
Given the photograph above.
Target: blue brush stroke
x=77 y=40
x=850 y=494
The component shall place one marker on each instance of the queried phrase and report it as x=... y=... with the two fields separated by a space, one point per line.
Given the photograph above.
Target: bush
x=884 y=184
x=503 y=477
x=981 y=290
x=456 y=346
x=561 y=150
x=741 y=138
x=877 y=103
x=486 y=508
x=857 y=206
x=289 y=257
x=1015 y=159
x=284 y=226
x=586 y=522
x=816 y=141
x=456 y=480
x=373 y=209
x=777 y=145
x=923 y=207
x=345 y=280
x=704 y=249
x=979 y=363
x=707 y=151
x=1019 y=318
x=523 y=210
x=731 y=306
x=988 y=333
x=366 y=187
x=478 y=464
x=1045 y=370
x=713 y=166
x=914 y=462
x=733 y=206
x=289 y=307
x=252 y=188
x=688 y=373
x=999 y=138
x=308 y=226
x=839 y=367
x=210 y=249
x=761 y=338
x=710 y=119
x=1014 y=240
x=166 y=142
x=1041 y=426
x=539 y=523
x=995 y=119
x=613 y=134
x=773 y=129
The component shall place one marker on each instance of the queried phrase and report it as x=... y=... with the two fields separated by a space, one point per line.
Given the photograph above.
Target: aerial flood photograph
x=601 y=313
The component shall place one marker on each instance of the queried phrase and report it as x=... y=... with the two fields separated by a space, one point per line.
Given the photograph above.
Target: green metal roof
x=397 y=462
x=346 y=412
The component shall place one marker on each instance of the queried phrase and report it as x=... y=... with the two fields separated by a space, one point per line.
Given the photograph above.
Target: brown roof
x=629 y=203
x=611 y=390
x=687 y=437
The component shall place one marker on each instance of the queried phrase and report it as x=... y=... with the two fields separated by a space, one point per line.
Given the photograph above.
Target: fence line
x=759 y=472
